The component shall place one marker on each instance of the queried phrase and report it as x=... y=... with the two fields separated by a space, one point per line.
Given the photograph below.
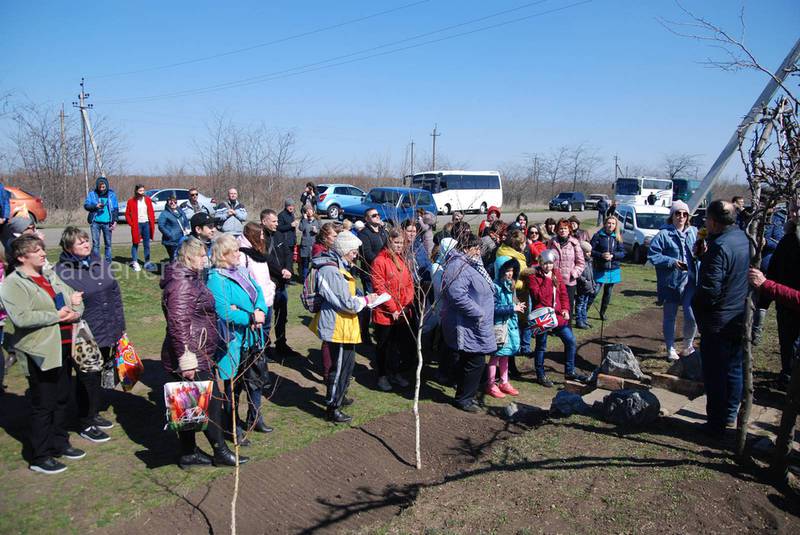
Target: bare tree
x=517 y=181
x=677 y=164
x=554 y=166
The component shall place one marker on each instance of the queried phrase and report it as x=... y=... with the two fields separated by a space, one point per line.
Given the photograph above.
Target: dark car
x=393 y=204
x=568 y=201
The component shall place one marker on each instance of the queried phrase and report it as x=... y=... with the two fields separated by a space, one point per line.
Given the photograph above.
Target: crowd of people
x=476 y=298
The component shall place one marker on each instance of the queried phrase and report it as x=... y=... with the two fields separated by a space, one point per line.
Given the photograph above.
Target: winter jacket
x=773 y=234
x=420 y=261
x=108 y=199
x=581 y=235
x=132 y=218
x=783 y=268
x=5 y=203
x=602 y=242
x=173 y=227
x=586 y=282
x=234 y=325
x=371 y=244
x=602 y=206
x=396 y=281
x=233 y=224
x=541 y=288
x=484 y=224
x=569 y=259
x=279 y=257
x=467 y=313
x=721 y=297
x=102 y=297
x=783 y=295
x=504 y=305
x=190 y=313
x=317 y=249
x=257 y=266
x=308 y=199
x=190 y=209
x=309 y=228
x=437 y=270
x=3 y=314
x=519 y=256
x=337 y=319
x=488 y=251
x=665 y=250
x=32 y=327
x=427 y=223
x=287 y=234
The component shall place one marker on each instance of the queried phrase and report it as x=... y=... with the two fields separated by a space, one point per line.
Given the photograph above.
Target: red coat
x=386 y=277
x=132 y=217
x=784 y=295
x=541 y=289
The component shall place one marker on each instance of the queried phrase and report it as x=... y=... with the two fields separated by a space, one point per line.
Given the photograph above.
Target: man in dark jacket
x=719 y=307
x=373 y=238
x=602 y=208
x=783 y=269
x=286 y=232
x=103 y=208
x=279 y=260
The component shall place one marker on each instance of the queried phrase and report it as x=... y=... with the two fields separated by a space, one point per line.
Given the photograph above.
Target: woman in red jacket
x=548 y=290
x=392 y=275
x=141 y=219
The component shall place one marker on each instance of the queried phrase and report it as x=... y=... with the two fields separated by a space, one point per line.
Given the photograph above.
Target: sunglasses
x=193 y=195
x=681 y=214
x=372 y=216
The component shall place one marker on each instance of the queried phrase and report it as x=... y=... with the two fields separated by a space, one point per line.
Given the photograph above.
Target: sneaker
x=48 y=466
x=507 y=388
x=582 y=325
x=577 y=376
x=101 y=423
x=470 y=407
x=672 y=355
x=545 y=381
x=149 y=266
x=494 y=391
x=383 y=384
x=72 y=453
x=398 y=380
x=93 y=434
x=136 y=266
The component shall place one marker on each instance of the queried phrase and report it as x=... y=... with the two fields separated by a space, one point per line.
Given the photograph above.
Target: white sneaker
x=672 y=355
x=136 y=266
x=383 y=384
x=398 y=380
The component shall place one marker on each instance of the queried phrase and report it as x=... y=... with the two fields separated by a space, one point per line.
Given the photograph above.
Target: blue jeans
x=525 y=335
x=96 y=229
x=144 y=232
x=582 y=304
x=722 y=374
x=570 y=348
x=305 y=266
x=689 y=324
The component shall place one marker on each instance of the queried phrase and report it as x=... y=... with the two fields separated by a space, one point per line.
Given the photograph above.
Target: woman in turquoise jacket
x=506 y=273
x=241 y=312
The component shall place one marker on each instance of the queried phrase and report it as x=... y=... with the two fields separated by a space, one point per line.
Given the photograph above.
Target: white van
x=640 y=224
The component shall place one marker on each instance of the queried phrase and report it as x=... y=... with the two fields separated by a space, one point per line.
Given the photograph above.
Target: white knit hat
x=345 y=242
x=678 y=206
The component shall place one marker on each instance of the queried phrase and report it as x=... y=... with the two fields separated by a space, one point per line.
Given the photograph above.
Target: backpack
x=311 y=301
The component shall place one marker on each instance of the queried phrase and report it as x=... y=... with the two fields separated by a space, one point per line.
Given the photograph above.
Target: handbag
x=129 y=365
x=500 y=334
x=85 y=352
x=187 y=405
x=255 y=366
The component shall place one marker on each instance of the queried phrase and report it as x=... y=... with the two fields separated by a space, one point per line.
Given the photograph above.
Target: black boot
x=223 y=456
x=197 y=458
x=259 y=426
x=336 y=416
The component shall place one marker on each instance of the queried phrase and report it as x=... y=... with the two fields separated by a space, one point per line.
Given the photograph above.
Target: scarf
x=253 y=253
x=244 y=281
x=477 y=263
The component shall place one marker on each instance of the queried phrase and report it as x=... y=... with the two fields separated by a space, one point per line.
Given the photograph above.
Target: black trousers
x=49 y=392
x=280 y=309
x=608 y=288
x=213 y=432
x=392 y=342
x=571 y=294
x=788 y=332
x=343 y=358
x=88 y=392
x=469 y=370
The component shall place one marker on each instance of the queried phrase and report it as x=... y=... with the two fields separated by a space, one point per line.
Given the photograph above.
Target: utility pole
x=616 y=167
x=434 y=135
x=63 y=144
x=82 y=106
x=412 y=156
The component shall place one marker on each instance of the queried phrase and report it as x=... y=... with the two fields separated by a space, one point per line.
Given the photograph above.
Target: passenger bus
x=462 y=190
x=637 y=190
x=684 y=188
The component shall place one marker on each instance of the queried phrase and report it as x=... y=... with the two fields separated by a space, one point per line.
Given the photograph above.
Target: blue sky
x=604 y=72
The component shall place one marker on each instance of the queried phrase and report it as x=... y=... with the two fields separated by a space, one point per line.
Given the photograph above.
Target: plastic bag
x=129 y=365
x=187 y=405
x=85 y=352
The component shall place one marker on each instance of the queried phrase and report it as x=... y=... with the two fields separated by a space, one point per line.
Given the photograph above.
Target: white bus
x=461 y=190
x=638 y=190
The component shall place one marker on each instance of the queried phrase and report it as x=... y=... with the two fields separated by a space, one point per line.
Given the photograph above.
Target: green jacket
x=32 y=327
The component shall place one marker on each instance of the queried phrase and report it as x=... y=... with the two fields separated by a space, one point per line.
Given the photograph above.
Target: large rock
x=619 y=360
x=568 y=403
x=629 y=407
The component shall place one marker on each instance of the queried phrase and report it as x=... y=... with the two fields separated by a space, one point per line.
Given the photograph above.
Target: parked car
x=393 y=204
x=640 y=224
x=332 y=197
x=593 y=199
x=159 y=198
x=21 y=198
x=568 y=201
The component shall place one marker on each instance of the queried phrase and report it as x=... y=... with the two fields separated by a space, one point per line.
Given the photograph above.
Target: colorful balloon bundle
x=187 y=405
x=129 y=365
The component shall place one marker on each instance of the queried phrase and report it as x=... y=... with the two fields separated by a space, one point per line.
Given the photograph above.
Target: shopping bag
x=187 y=405
x=542 y=320
x=85 y=352
x=129 y=365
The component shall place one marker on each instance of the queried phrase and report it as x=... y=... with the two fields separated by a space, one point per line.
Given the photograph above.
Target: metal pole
x=434 y=135
x=763 y=99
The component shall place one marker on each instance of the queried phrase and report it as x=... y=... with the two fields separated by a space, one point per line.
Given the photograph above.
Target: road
x=122 y=234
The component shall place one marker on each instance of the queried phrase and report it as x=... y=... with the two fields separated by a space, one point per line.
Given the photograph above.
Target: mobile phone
x=59 y=300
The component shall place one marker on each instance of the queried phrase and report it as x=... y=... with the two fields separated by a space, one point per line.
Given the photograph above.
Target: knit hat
x=288 y=202
x=574 y=219
x=586 y=246
x=548 y=256
x=346 y=242
x=359 y=225
x=678 y=206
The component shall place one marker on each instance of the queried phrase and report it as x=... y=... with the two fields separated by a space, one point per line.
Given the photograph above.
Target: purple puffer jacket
x=569 y=259
x=191 y=318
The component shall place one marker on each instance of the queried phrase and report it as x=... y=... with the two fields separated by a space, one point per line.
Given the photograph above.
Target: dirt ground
x=483 y=475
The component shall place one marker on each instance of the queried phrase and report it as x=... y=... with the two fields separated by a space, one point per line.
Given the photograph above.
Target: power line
x=311 y=67
x=259 y=45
